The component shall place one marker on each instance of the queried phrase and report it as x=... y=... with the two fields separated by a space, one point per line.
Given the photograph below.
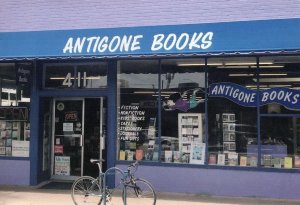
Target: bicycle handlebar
x=132 y=167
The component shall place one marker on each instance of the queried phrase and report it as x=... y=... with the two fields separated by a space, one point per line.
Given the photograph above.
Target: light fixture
x=268 y=80
x=72 y=78
x=270 y=66
x=190 y=64
x=240 y=75
x=273 y=74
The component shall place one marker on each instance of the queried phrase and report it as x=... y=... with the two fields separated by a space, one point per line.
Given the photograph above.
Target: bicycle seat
x=96 y=161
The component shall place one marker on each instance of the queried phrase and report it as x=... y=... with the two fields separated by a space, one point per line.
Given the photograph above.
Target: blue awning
x=234 y=38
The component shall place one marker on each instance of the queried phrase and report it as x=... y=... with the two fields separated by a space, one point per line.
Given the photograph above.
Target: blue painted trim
x=258 y=115
x=206 y=113
x=34 y=126
x=280 y=115
x=244 y=36
x=159 y=110
x=195 y=166
x=14 y=158
x=112 y=115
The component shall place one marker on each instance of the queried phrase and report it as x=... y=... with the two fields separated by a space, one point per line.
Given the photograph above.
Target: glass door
x=68 y=138
x=79 y=132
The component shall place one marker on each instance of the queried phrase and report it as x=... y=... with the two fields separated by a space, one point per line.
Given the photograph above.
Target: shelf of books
x=12 y=135
x=190 y=139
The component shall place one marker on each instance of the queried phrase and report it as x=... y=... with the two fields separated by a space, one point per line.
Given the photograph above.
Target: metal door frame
x=63 y=177
x=101 y=141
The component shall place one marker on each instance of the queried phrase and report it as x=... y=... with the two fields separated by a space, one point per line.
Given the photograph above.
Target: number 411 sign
x=81 y=80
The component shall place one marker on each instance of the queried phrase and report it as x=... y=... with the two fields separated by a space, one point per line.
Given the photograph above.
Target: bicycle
x=137 y=188
x=89 y=190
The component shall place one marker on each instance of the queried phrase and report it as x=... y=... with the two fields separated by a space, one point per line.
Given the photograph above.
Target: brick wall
x=22 y=15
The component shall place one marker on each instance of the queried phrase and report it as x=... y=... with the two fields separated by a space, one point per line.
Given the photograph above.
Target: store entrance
x=79 y=130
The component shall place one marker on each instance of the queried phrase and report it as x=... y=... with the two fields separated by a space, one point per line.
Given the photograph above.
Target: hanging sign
x=289 y=98
x=23 y=74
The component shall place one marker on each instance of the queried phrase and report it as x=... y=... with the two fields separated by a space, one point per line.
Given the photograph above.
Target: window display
x=137 y=110
x=183 y=111
x=232 y=122
x=190 y=138
x=229 y=95
x=14 y=109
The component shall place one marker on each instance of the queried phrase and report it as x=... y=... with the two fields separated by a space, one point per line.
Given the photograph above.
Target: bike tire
x=86 y=190
x=142 y=190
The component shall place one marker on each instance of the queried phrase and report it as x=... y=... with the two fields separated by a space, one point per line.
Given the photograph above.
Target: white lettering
x=215 y=90
x=180 y=39
x=69 y=46
x=172 y=38
x=103 y=44
x=125 y=43
x=287 y=97
x=112 y=47
x=295 y=99
x=157 y=42
x=207 y=40
x=265 y=97
x=136 y=43
x=79 y=45
x=90 y=41
x=194 y=41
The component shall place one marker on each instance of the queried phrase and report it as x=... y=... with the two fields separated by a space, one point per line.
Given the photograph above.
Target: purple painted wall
x=22 y=15
x=221 y=182
x=15 y=172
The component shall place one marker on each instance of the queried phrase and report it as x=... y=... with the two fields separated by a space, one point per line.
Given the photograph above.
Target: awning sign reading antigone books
x=289 y=98
x=190 y=39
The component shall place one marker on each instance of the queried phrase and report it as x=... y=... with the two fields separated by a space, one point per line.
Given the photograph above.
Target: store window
x=138 y=110
x=81 y=76
x=279 y=107
x=183 y=111
x=232 y=112
x=15 y=83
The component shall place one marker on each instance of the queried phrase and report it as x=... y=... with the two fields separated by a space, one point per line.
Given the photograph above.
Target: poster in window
x=221 y=159
x=20 y=148
x=62 y=165
x=197 y=155
x=232 y=159
x=297 y=161
x=2 y=150
x=168 y=156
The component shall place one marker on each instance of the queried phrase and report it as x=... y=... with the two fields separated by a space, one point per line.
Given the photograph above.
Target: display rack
x=190 y=133
x=229 y=134
x=11 y=130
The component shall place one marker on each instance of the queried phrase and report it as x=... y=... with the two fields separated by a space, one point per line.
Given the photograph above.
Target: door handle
x=102 y=143
x=81 y=141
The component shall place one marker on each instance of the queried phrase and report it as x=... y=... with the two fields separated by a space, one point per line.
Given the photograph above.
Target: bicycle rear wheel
x=142 y=189
x=86 y=190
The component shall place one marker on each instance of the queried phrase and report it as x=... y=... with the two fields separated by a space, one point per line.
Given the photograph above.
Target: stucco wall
x=221 y=182
x=21 y=15
x=15 y=172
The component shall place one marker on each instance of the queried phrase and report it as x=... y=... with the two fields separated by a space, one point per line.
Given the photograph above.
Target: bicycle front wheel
x=142 y=189
x=86 y=190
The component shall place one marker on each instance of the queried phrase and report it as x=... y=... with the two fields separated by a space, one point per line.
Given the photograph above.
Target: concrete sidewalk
x=34 y=196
